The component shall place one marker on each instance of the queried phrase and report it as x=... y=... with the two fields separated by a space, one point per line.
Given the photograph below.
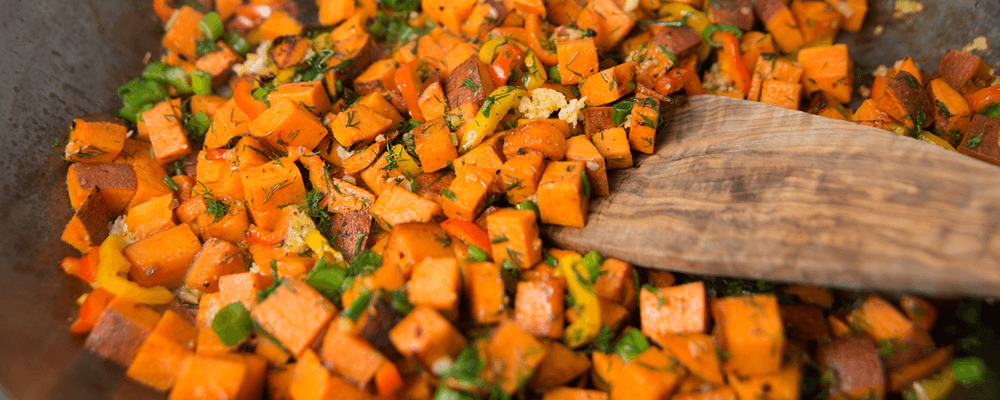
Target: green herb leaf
x=448 y=194
x=466 y=367
x=353 y=311
x=993 y=111
x=620 y=111
x=969 y=370
x=365 y=263
x=529 y=205
x=974 y=141
x=593 y=261
x=327 y=279
x=631 y=345
x=170 y=183
x=264 y=293
x=475 y=254
x=232 y=323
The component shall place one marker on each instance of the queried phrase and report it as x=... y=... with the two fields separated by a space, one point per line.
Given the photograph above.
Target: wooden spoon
x=744 y=189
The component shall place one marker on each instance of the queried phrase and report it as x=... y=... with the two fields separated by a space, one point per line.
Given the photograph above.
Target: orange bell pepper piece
x=533 y=32
x=91 y=310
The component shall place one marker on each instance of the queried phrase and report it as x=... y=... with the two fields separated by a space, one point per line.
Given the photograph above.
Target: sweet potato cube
x=435 y=282
x=432 y=101
x=468 y=191
x=96 y=138
x=579 y=148
x=596 y=119
x=564 y=193
x=981 y=139
x=670 y=310
x=521 y=175
x=906 y=101
x=751 y=331
x=489 y=154
x=358 y=125
x=903 y=376
x=294 y=315
x=538 y=308
x=289 y=123
x=642 y=132
x=770 y=66
x=963 y=71
x=310 y=379
x=817 y=20
x=231 y=227
x=152 y=216
x=857 y=369
x=577 y=59
x=607 y=369
x=279 y=24
x=779 y=20
x=613 y=144
x=804 y=323
x=485 y=290
x=952 y=114
x=209 y=377
x=613 y=315
x=536 y=136
x=158 y=362
x=219 y=64
x=609 y=84
x=680 y=41
x=829 y=69
x=560 y=366
x=514 y=235
x=229 y=122
x=434 y=145
x=427 y=336
x=399 y=206
x=216 y=259
x=350 y=356
x=411 y=243
x=269 y=187
x=513 y=355
x=569 y=393
x=782 y=94
x=121 y=329
x=151 y=266
x=920 y=311
x=459 y=92
x=378 y=77
x=307 y=95
x=651 y=375
x=89 y=225
x=697 y=353
x=166 y=132
x=183 y=35
x=733 y=12
x=116 y=181
x=889 y=326
x=784 y=384
x=208 y=305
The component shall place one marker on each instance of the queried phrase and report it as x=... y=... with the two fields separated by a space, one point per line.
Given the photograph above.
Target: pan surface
x=62 y=59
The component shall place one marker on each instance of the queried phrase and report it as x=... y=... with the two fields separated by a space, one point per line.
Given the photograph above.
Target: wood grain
x=744 y=189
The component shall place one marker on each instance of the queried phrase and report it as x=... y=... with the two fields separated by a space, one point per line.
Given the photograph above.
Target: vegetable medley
x=351 y=210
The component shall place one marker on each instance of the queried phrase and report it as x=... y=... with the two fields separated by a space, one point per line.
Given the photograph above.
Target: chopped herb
x=353 y=311
x=974 y=141
x=232 y=323
x=448 y=194
x=466 y=367
x=400 y=302
x=475 y=254
x=631 y=345
x=264 y=293
x=620 y=111
x=213 y=206
x=706 y=34
x=593 y=261
x=327 y=279
x=471 y=85
x=498 y=239
x=170 y=183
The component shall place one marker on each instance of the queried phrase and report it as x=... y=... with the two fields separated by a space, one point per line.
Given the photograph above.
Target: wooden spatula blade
x=744 y=189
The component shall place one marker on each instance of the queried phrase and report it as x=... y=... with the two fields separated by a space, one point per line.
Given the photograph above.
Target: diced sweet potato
x=858 y=371
x=468 y=83
x=411 y=243
x=399 y=206
x=733 y=12
x=95 y=138
x=560 y=366
x=288 y=122
x=150 y=217
x=158 y=362
x=616 y=282
x=981 y=139
x=564 y=193
x=678 y=309
x=358 y=126
x=596 y=119
x=751 y=331
x=697 y=353
x=376 y=322
x=308 y=95
x=151 y=266
x=116 y=181
x=435 y=282
x=427 y=336
x=903 y=376
x=89 y=225
x=269 y=187
x=568 y=393
x=294 y=315
x=784 y=384
x=121 y=329
x=349 y=228
x=521 y=174
x=678 y=40
x=485 y=289
x=609 y=84
x=964 y=72
x=378 y=77
x=651 y=375
x=513 y=355
x=613 y=144
x=219 y=64
x=434 y=145
x=217 y=258
x=607 y=369
x=577 y=59
x=468 y=193
x=538 y=308
x=166 y=132
x=287 y=51
x=514 y=235
x=350 y=356
x=907 y=101
x=804 y=322
x=779 y=20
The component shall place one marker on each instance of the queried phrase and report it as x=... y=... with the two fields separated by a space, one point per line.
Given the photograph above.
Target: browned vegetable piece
x=857 y=370
x=468 y=83
x=907 y=101
x=122 y=328
x=804 y=322
x=116 y=181
x=218 y=63
x=596 y=119
x=350 y=228
x=980 y=140
x=377 y=321
x=964 y=72
x=733 y=12
x=678 y=40
x=287 y=51
x=89 y=226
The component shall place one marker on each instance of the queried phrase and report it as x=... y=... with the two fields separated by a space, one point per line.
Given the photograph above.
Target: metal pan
x=65 y=58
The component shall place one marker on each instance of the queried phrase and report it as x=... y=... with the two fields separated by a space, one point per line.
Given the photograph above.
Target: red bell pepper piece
x=984 y=98
x=468 y=233
x=508 y=56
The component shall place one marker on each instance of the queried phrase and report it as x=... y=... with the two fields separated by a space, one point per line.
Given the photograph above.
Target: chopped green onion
x=593 y=262
x=154 y=71
x=554 y=74
x=237 y=43
x=232 y=323
x=993 y=111
x=584 y=184
x=178 y=78
x=197 y=124
x=551 y=261
x=476 y=254
x=528 y=205
x=211 y=25
x=443 y=393
x=136 y=95
x=201 y=82
x=620 y=111
x=631 y=345
x=400 y=302
x=327 y=279
x=353 y=311
x=969 y=370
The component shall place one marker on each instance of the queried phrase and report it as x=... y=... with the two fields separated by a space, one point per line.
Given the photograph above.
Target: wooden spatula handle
x=738 y=188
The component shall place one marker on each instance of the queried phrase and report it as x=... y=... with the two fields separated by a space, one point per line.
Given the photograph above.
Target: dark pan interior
x=65 y=58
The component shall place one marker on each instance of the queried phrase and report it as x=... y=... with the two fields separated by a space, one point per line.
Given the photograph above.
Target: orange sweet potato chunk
x=151 y=266
x=751 y=330
x=427 y=336
x=435 y=282
x=411 y=243
x=467 y=193
x=563 y=193
x=678 y=309
x=216 y=259
x=294 y=315
x=514 y=235
x=485 y=290
x=96 y=138
x=513 y=355
x=651 y=375
x=538 y=308
x=289 y=123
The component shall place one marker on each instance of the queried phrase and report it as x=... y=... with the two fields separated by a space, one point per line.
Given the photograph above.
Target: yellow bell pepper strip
x=112 y=263
x=319 y=245
x=508 y=56
x=489 y=49
x=535 y=37
x=585 y=303
x=731 y=61
x=935 y=139
x=535 y=76
x=496 y=105
x=400 y=159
